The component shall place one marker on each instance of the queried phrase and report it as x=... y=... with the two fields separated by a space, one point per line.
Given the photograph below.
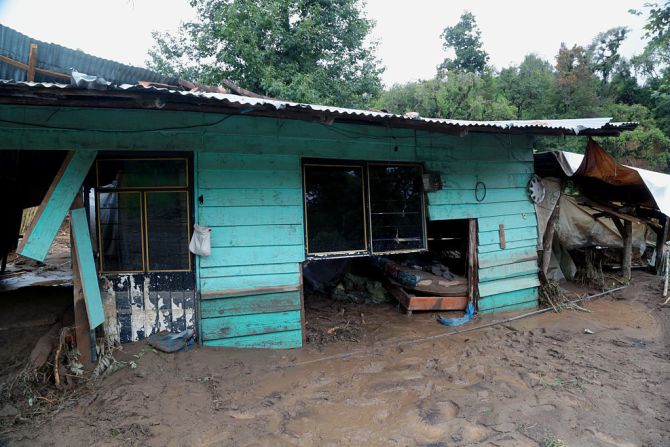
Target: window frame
x=142 y=191
x=367 y=209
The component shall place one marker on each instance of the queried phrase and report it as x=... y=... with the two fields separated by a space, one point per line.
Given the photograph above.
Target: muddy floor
x=575 y=378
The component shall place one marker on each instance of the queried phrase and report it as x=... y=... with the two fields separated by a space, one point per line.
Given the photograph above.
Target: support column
x=627 y=259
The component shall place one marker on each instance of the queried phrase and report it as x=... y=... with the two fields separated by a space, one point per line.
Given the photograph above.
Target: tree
x=465 y=39
x=604 y=51
x=577 y=85
x=530 y=87
x=300 y=50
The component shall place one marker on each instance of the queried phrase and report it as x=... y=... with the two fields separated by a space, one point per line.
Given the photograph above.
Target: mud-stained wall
x=136 y=307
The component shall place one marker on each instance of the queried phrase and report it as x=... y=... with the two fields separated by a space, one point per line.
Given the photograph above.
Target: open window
x=358 y=209
x=143 y=215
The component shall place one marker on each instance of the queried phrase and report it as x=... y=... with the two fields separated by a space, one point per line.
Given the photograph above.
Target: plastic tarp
x=613 y=179
x=577 y=228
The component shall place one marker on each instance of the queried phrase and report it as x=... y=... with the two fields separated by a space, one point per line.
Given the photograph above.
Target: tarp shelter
x=630 y=197
x=603 y=178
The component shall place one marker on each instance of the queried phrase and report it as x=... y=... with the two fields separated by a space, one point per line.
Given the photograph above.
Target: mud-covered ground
x=538 y=381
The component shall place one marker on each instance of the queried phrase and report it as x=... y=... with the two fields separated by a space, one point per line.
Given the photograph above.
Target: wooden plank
x=32 y=63
x=515 y=220
x=511 y=235
x=23 y=66
x=490 y=248
x=481 y=167
x=87 y=269
x=246 y=270
x=251 y=304
x=503 y=301
x=661 y=239
x=473 y=262
x=220 y=160
x=509 y=256
x=220 y=178
x=413 y=302
x=257 y=237
x=230 y=256
x=626 y=261
x=56 y=204
x=82 y=328
x=501 y=235
x=456 y=150
x=491 y=179
x=251 y=215
x=462 y=196
x=507 y=285
x=251 y=197
x=508 y=271
x=471 y=211
x=275 y=340
x=528 y=305
x=244 y=282
x=215 y=294
x=241 y=325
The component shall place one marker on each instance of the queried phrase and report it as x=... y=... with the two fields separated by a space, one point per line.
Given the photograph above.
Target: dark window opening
x=335 y=209
x=360 y=209
x=396 y=208
x=143 y=215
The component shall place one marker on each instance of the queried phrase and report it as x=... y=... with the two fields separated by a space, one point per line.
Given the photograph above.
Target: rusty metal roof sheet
x=176 y=98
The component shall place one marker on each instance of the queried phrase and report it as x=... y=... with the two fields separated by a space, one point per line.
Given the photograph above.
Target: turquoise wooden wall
x=248 y=172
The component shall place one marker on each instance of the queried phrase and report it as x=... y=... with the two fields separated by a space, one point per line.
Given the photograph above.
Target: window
x=143 y=215
x=363 y=208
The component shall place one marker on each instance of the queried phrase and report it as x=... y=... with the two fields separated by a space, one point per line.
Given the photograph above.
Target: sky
x=408 y=32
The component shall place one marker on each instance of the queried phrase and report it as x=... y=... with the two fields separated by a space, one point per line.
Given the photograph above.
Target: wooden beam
x=22 y=66
x=83 y=250
x=82 y=328
x=473 y=262
x=661 y=239
x=56 y=204
x=548 y=239
x=32 y=62
x=626 y=261
x=247 y=292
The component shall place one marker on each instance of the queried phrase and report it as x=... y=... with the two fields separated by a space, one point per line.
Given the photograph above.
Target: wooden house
x=148 y=163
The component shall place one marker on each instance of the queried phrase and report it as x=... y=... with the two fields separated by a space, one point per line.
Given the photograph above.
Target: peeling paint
x=139 y=305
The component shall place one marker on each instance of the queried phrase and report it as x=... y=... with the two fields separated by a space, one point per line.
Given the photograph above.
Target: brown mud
x=538 y=381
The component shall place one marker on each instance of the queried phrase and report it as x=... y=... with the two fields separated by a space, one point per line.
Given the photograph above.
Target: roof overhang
x=155 y=98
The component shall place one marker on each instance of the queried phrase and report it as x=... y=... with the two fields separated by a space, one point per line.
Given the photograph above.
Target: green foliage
x=302 y=50
x=465 y=39
x=604 y=51
x=458 y=95
x=530 y=87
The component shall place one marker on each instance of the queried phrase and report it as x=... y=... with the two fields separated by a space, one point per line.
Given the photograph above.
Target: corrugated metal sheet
x=248 y=104
x=16 y=45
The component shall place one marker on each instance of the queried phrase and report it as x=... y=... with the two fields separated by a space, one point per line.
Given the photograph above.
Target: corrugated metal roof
x=248 y=104
x=16 y=45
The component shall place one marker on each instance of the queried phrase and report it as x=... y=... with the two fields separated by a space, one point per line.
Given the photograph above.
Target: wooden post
x=473 y=264
x=32 y=62
x=82 y=328
x=548 y=238
x=661 y=239
x=626 y=262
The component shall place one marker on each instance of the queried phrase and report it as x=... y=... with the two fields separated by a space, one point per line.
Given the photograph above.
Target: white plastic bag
x=200 y=241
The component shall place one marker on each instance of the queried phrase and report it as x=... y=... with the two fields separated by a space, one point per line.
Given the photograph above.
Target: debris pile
x=360 y=290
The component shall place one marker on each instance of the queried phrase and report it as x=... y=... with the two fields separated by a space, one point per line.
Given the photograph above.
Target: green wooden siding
x=248 y=173
x=253 y=204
